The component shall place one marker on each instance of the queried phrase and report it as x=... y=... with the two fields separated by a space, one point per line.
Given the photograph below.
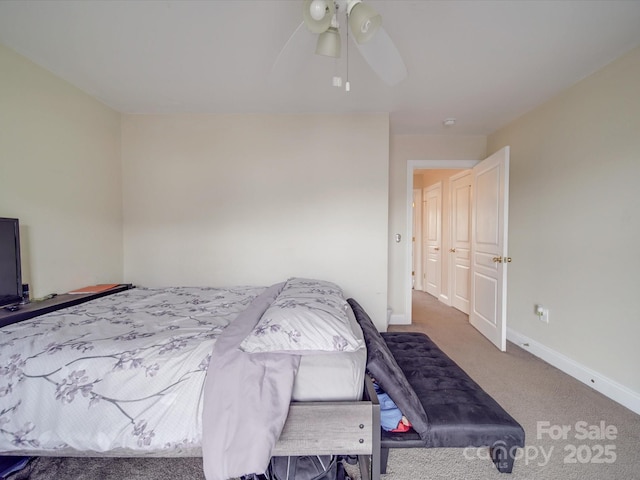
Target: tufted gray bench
x=444 y=405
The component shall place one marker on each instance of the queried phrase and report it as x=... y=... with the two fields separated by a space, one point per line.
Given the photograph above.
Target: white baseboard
x=399 y=319
x=609 y=388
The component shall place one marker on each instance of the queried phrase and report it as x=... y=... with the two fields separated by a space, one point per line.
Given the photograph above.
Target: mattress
x=335 y=377
x=123 y=375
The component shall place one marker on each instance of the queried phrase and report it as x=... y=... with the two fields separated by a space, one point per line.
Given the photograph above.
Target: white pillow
x=308 y=316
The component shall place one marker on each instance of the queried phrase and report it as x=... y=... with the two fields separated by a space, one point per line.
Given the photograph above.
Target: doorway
x=442 y=223
x=412 y=167
x=489 y=192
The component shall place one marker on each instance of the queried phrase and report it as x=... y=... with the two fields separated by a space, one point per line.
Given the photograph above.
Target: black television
x=10 y=270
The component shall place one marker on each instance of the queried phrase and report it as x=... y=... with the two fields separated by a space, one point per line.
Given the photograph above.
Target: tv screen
x=10 y=272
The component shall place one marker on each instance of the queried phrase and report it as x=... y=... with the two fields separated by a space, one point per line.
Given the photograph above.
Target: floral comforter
x=122 y=374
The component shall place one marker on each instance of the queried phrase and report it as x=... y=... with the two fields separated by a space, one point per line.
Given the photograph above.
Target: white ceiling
x=482 y=62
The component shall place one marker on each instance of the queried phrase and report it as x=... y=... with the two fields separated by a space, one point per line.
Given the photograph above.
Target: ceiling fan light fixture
x=317 y=14
x=329 y=43
x=318 y=9
x=364 y=21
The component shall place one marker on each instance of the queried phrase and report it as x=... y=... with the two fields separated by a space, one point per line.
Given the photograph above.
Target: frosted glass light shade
x=364 y=21
x=312 y=9
x=329 y=43
x=318 y=9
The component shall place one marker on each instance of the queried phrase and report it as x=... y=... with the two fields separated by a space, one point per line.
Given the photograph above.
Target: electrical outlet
x=545 y=315
x=542 y=313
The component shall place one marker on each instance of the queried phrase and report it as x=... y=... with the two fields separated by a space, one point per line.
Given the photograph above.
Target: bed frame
x=312 y=428
x=336 y=428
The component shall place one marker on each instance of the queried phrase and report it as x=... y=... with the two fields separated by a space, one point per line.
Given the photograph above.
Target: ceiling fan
x=321 y=19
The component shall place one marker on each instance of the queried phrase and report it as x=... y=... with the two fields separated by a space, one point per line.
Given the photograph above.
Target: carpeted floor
x=45 y=468
x=51 y=468
x=532 y=391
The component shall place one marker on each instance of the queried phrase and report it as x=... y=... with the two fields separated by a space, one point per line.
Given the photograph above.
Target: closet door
x=432 y=238
x=460 y=249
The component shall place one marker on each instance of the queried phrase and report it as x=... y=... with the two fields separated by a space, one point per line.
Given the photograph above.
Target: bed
x=186 y=371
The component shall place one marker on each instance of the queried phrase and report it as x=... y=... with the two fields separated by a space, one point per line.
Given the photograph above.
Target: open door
x=490 y=187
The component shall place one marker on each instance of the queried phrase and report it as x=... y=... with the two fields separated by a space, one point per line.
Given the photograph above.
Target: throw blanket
x=246 y=400
x=253 y=367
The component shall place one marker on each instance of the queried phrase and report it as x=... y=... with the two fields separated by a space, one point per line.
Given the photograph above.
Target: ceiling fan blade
x=384 y=58
x=294 y=55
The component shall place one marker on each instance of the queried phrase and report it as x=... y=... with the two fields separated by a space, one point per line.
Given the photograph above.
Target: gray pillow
x=383 y=367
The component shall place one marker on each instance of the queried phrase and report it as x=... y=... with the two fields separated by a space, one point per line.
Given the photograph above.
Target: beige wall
x=403 y=149
x=574 y=227
x=60 y=175
x=254 y=199
x=210 y=199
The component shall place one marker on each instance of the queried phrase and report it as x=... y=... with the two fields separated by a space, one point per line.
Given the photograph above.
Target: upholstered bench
x=444 y=405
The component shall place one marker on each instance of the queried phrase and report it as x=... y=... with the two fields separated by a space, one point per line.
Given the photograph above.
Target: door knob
x=436 y=248
x=507 y=259
x=497 y=259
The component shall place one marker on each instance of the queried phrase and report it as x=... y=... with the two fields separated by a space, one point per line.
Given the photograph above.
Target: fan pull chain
x=347 y=85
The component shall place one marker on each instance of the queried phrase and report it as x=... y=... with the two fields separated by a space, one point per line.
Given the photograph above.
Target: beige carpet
x=532 y=391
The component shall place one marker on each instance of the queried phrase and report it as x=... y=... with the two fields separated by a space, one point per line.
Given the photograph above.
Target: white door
x=416 y=240
x=460 y=250
x=490 y=187
x=432 y=238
